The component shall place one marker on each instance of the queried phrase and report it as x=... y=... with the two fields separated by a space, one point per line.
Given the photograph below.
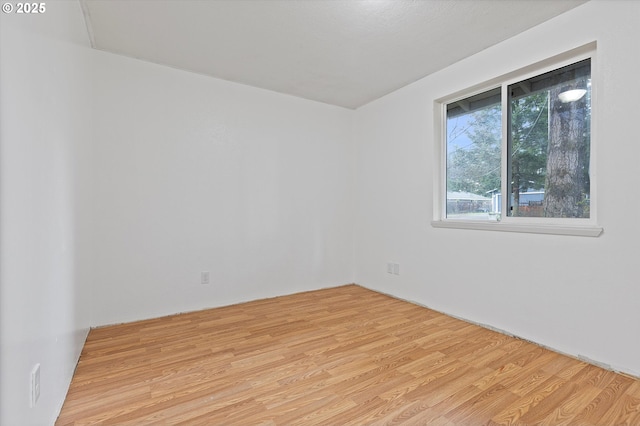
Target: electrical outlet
x=35 y=385
x=204 y=277
x=389 y=268
x=396 y=269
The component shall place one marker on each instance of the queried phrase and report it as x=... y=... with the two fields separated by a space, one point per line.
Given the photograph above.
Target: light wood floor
x=339 y=356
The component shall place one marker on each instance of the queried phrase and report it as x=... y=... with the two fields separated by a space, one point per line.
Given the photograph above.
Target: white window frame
x=558 y=226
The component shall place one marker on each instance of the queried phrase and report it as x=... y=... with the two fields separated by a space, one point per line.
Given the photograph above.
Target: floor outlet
x=35 y=385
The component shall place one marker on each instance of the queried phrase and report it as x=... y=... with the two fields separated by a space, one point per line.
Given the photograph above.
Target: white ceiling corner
x=340 y=52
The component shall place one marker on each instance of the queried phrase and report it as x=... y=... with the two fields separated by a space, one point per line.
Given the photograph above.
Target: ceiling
x=340 y=52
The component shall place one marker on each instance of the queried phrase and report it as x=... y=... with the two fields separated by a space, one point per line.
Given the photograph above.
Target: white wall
x=196 y=174
x=576 y=294
x=44 y=252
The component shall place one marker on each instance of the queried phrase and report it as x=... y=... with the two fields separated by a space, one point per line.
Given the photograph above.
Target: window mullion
x=443 y=160
x=505 y=164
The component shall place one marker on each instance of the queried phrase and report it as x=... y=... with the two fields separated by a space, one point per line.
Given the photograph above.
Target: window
x=473 y=156
x=516 y=155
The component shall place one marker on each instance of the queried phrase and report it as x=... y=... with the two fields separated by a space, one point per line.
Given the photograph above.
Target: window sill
x=581 y=231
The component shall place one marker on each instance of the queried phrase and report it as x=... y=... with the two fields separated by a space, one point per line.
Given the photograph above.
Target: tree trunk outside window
x=566 y=179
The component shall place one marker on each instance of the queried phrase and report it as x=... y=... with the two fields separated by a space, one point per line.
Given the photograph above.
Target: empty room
x=335 y=212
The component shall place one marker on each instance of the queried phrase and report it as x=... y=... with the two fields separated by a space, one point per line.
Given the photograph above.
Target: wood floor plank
x=528 y=401
x=481 y=406
x=565 y=412
x=605 y=400
x=624 y=411
x=344 y=355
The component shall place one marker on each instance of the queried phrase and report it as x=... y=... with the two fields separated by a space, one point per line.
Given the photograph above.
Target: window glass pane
x=549 y=143
x=474 y=128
